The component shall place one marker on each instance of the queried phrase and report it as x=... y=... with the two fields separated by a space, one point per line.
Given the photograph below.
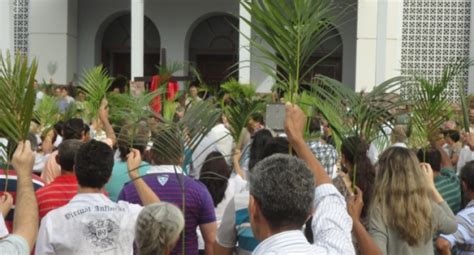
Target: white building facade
x=379 y=39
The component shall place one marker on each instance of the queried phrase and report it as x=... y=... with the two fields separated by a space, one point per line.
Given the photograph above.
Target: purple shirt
x=199 y=206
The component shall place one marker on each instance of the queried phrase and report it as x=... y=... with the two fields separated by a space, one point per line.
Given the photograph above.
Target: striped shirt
x=448 y=185
x=11 y=188
x=463 y=238
x=166 y=184
x=56 y=194
x=331 y=226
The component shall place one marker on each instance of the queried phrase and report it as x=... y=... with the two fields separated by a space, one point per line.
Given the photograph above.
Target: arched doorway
x=213 y=48
x=116 y=47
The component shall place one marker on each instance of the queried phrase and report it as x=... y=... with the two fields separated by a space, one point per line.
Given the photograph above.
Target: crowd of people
x=74 y=191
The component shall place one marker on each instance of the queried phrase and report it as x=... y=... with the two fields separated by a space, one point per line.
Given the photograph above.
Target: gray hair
x=283 y=187
x=158 y=228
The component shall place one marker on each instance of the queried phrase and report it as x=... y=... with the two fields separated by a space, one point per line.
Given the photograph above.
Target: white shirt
x=235 y=186
x=218 y=139
x=465 y=156
x=331 y=226
x=89 y=224
x=3 y=228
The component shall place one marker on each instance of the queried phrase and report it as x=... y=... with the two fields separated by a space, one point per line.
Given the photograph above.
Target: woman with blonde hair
x=407 y=210
x=158 y=228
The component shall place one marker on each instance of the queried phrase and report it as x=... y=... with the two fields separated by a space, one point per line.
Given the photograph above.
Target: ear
x=464 y=186
x=57 y=158
x=253 y=207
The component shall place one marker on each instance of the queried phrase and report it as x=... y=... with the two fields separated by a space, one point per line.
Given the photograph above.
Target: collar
x=273 y=241
x=81 y=197
x=470 y=204
x=165 y=169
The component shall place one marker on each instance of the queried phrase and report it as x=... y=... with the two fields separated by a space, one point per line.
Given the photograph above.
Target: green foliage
x=175 y=137
x=237 y=90
x=355 y=114
x=47 y=113
x=95 y=83
x=130 y=109
x=431 y=106
x=293 y=30
x=18 y=96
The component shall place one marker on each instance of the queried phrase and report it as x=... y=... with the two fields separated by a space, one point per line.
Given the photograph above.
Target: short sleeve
x=43 y=242
x=133 y=209
x=463 y=233
x=226 y=234
x=207 y=212
x=445 y=221
x=3 y=227
x=13 y=245
x=378 y=230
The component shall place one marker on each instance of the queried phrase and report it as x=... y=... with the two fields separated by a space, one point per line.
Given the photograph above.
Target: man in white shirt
x=282 y=195
x=467 y=152
x=218 y=139
x=91 y=223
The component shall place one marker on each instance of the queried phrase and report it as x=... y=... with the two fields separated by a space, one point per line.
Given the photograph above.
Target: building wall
x=172 y=18
x=6 y=26
x=53 y=38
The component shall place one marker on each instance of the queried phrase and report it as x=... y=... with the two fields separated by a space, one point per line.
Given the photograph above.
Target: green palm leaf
x=95 y=83
x=47 y=113
x=16 y=87
x=287 y=33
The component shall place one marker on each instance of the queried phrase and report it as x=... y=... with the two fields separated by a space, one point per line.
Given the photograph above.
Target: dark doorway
x=116 y=47
x=213 y=49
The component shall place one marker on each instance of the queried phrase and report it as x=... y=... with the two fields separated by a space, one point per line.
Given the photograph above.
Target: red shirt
x=56 y=194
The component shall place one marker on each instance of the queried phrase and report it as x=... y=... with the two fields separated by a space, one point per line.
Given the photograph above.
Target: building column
x=6 y=26
x=137 y=38
x=470 y=88
x=244 y=46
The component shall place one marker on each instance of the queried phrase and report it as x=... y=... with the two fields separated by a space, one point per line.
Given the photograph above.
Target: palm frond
x=18 y=96
x=293 y=30
x=95 y=83
x=47 y=113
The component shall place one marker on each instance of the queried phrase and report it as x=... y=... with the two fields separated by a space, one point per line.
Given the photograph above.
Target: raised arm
x=364 y=240
x=295 y=121
x=236 y=163
x=146 y=194
x=25 y=222
x=104 y=118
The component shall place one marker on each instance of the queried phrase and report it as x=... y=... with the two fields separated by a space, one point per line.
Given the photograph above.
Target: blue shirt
x=120 y=177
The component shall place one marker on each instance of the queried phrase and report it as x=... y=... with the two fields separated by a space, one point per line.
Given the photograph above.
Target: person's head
x=278 y=145
x=399 y=134
x=132 y=135
x=67 y=151
x=281 y=194
x=81 y=96
x=193 y=91
x=93 y=165
x=451 y=137
x=57 y=91
x=73 y=129
x=467 y=179
x=255 y=123
x=315 y=125
x=158 y=228
x=355 y=160
x=326 y=128
x=167 y=147
x=215 y=174
x=402 y=195
x=260 y=140
x=449 y=125
x=431 y=156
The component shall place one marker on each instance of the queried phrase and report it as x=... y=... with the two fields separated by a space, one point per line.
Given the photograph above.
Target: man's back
x=199 y=208
x=56 y=194
x=89 y=224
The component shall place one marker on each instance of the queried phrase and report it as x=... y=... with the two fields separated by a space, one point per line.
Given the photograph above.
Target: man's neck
x=66 y=173
x=85 y=190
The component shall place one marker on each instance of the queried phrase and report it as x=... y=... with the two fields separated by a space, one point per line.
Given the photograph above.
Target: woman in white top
x=216 y=175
